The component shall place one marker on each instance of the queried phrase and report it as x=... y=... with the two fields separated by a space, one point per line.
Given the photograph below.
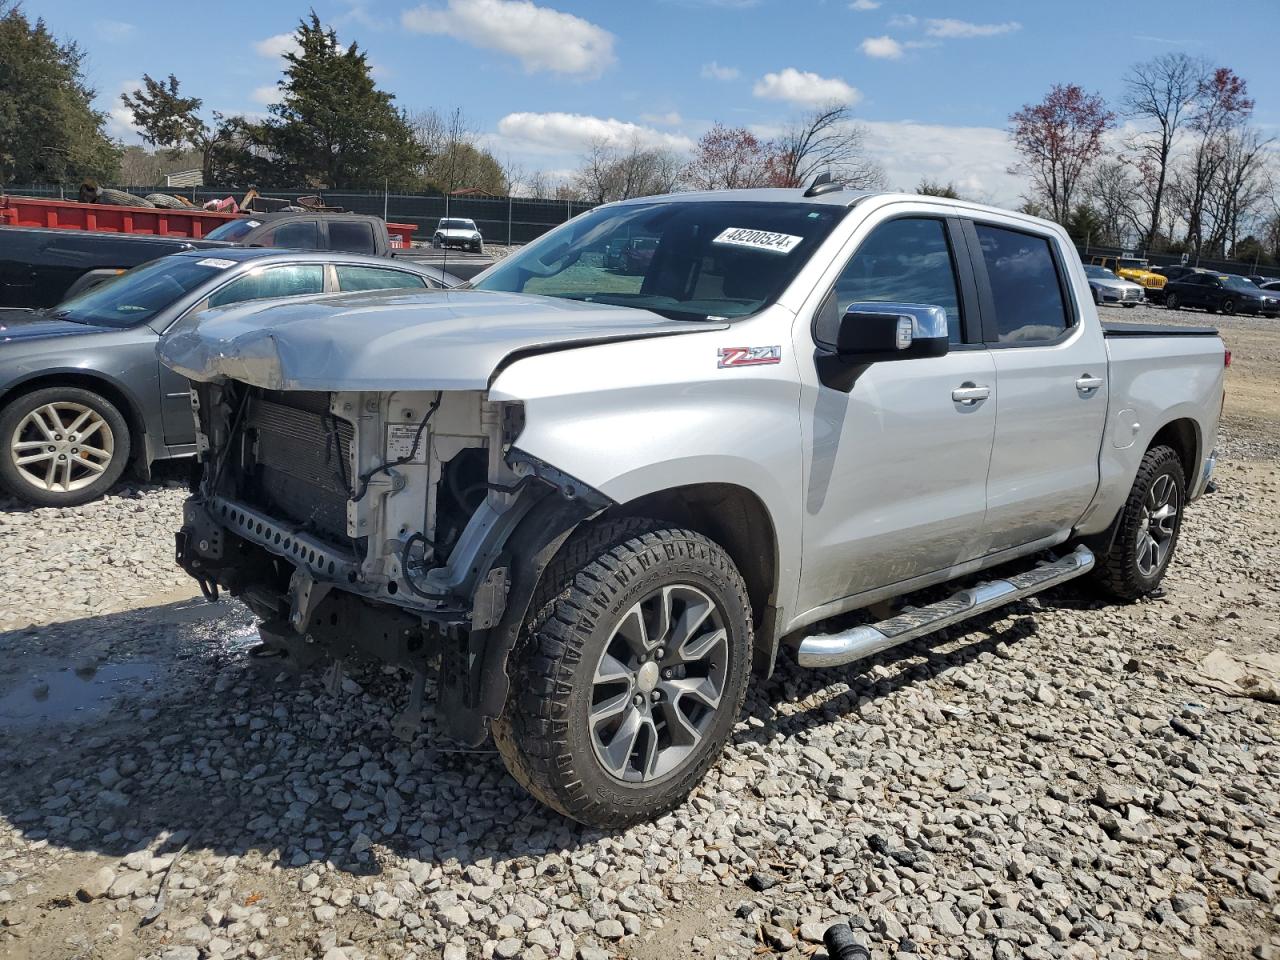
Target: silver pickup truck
x=592 y=502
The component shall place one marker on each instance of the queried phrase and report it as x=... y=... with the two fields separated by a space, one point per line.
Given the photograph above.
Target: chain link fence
x=506 y=220
x=1240 y=267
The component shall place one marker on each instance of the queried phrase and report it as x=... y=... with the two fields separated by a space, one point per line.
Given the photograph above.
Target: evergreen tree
x=333 y=128
x=49 y=131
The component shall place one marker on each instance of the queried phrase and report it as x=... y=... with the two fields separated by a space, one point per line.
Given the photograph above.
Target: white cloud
x=805 y=89
x=539 y=37
x=963 y=29
x=278 y=45
x=669 y=119
x=114 y=31
x=864 y=5
x=882 y=48
x=573 y=133
x=975 y=159
x=266 y=95
x=904 y=20
x=714 y=71
x=120 y=118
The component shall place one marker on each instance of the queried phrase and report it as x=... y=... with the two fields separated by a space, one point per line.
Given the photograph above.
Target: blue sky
x=933 y=81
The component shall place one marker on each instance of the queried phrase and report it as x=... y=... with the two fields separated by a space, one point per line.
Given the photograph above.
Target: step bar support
x=835 y=649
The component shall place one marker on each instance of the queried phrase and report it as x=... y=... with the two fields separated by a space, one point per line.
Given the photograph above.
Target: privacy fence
x=499 y=219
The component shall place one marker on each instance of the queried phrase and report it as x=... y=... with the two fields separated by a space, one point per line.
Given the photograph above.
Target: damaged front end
x=405 y=527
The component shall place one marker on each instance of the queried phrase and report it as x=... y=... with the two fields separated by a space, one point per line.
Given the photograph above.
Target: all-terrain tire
x=111 y=434
x=120 y=198
x=543 y=735
x=1118 y=571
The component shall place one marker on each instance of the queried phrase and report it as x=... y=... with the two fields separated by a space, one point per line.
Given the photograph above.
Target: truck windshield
x=233 y=230
x=137 y=296
x=686 y=260
x=457 y=225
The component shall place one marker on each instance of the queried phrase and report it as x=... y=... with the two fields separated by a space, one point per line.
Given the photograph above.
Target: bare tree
x=825 y=140
x=1058 y=139
x=1222 y=106
x=1240 y=190
x=452 y=157
x=1110 y=190
x=1162 y=94
x=614 y=171
x=727 y=158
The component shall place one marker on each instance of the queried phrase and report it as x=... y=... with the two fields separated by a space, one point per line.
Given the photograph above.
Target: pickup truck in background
x=595 y=503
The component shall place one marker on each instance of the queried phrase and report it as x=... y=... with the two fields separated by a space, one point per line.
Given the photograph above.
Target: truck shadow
x=185 y=737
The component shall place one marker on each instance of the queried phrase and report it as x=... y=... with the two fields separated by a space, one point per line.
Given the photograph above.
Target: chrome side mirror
x=872 y=332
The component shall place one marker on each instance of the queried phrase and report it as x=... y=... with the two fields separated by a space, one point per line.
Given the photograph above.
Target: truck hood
x=27 y=325
x=382 y=341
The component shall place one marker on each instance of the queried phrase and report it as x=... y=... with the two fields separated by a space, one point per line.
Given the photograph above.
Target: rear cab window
x=1027 y=287
x=296 y=234
x=351 y=236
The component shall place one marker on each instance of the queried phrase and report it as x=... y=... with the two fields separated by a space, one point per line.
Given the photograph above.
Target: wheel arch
x=737 y=519
x=1183 y=435
x=120 y=397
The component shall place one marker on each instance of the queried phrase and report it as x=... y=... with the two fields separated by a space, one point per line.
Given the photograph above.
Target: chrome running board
x=834 y=649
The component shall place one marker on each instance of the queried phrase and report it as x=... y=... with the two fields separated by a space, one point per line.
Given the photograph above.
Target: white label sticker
x=758 y=239
x=216 y=262
x=400 y=442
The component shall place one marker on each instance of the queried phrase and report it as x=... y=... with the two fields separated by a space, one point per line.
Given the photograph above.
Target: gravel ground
x=1051 y=781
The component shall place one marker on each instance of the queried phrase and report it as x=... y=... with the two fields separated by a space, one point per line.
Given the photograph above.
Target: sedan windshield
x=137 y=296
x=1100 y=273
x=686 y=260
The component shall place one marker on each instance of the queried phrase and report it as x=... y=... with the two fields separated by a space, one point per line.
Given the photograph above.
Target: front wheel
x=628 y=680
x=1149 y=526
x=1172 y=301
x=63 y=446
x=1229 y=306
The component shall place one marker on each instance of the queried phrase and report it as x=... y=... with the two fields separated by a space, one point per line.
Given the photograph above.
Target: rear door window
x=1026 y=288
x=375 y=278
x=288 y=280
x=351 y=236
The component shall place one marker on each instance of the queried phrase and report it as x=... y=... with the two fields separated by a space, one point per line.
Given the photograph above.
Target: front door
x=1051 y=368
x=895 y=485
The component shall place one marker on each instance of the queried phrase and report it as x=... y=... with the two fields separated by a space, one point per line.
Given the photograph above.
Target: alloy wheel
x=62 y=446
x=1159 y=524
x=658 y=683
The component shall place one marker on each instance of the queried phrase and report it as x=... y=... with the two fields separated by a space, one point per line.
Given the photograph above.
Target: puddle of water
x=75 y=695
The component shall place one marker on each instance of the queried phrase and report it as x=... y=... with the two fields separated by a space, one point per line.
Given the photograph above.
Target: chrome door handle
x=970 y=393
x=1088 y=384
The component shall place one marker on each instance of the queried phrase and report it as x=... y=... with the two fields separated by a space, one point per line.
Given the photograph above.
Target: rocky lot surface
x=1056 y=780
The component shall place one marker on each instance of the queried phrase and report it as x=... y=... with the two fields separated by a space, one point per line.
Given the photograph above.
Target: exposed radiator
x=304 y=461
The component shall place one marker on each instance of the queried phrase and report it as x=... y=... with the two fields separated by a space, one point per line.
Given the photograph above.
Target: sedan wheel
x=1229 y=306
x=1172 y=301
x=63 y=446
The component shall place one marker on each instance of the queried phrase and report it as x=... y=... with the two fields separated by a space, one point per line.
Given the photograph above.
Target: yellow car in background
x=1138 y=270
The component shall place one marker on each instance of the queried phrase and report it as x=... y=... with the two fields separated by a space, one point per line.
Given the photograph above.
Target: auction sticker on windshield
x=758 y=240
x=216 y=262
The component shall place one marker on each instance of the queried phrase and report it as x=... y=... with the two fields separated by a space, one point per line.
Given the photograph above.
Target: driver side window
x=907 y=260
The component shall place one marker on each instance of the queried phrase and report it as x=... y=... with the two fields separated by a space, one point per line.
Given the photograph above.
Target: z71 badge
x=749 y=356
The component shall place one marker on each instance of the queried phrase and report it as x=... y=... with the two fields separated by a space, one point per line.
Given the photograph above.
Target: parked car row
x=1223 y=292
x=82 y=393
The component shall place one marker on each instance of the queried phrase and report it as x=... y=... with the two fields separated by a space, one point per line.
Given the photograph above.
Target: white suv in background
x=455 y=232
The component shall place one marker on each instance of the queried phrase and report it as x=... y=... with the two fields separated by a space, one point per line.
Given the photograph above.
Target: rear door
x=1051 y=398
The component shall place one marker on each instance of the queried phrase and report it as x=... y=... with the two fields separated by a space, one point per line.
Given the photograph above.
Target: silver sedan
x=1108 y=288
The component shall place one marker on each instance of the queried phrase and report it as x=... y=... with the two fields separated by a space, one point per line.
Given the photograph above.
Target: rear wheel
x=63 y=446
x=1172 y=301
x=1149 y=527
x=628 y=681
